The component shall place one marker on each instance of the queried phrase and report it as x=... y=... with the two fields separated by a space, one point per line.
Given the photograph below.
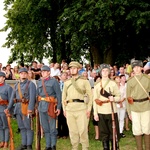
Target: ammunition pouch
x=130 y=100
x=3 y=102
x=100 y=103
x=52 y=107
x=24 y=106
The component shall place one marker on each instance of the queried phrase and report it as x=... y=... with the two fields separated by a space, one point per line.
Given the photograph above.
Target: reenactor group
x=77 y=101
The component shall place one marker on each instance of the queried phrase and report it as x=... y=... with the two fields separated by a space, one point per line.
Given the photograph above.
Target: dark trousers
x=105 y=126
x=62 y=125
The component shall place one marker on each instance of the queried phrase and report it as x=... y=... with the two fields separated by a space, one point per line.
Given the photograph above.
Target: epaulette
x=97 y=82
x=146 y=75
x=129 y=78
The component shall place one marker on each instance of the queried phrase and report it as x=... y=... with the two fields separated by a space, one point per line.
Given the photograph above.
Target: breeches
x=78 y=128
x=4 y=131
x=140 y=122
x=24 y=125
x=49 y=128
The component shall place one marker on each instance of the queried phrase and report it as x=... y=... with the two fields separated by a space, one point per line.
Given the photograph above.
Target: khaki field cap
x=74 y=64
x=137 y=63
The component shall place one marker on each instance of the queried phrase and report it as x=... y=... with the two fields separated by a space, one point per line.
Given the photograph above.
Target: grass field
x=127 y=143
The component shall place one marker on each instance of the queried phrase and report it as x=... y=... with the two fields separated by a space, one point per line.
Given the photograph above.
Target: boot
x=139 y=144
x=53 y=148
x=22 y=147
x=147 y=142
x=1 y=144
x=5 y=145
x=48 y=148
x=105 y=145
x=29 y=147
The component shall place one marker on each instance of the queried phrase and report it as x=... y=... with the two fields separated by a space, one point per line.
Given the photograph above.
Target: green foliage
x=71 y=29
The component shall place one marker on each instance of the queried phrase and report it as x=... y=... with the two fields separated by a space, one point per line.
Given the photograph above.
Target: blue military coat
x=30 y=95
x=5 y=94
x=52 y=89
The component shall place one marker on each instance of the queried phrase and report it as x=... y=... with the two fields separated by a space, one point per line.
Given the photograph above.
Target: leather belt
x=17 y=100
x=141 y=100
x=75 y=100
x=3 y=102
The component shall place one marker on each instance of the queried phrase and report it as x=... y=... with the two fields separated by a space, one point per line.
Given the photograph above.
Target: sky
x=5 y=52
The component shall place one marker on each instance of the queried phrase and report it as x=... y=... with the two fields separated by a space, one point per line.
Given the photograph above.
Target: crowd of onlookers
x=61 y=72
x=57 y=68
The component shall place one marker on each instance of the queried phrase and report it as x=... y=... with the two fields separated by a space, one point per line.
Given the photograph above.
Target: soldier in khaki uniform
x=138 y=106
x=75 y=109
x=102 y=106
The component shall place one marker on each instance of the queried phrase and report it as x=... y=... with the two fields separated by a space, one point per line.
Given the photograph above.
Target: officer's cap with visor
x=136 y=63
x=45 y=68
x=23 y=70
x=102 y=66
x=2 y=74
x=74 y=64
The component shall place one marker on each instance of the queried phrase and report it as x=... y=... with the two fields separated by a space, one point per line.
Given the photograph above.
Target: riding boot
x=139 y=142
x=147 y=142
x=105 y=145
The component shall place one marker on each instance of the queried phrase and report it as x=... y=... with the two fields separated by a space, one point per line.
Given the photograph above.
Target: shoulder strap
x=141 y=85
x=76 y=86
x=19 y=91
x=44 y=88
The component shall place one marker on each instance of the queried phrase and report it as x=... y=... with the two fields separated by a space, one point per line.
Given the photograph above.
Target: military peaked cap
x=45 y=68
x=2 y=74
x=74 y=64
x=137 y=63
x=102 y=66
x=23 y=70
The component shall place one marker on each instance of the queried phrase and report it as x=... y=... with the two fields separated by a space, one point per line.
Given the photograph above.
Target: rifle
x=12 y=146
x=38 y=130
x=115 y=137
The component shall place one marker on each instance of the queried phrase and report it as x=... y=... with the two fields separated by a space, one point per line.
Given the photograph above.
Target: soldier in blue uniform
x=5 y=94
x=24 y=97
x=49 y=94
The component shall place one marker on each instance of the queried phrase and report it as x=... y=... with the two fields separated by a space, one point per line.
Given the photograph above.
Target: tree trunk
x=97 y=55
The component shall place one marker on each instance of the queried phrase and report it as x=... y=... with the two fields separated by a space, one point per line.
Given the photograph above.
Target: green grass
x=127 y=143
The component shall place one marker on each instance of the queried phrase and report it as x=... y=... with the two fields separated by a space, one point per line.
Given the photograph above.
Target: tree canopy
x=101 y=31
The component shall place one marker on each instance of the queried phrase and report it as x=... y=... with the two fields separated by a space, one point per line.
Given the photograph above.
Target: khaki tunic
x=69 y=92
x=106 y=107
x=76 y=112
x=135 y=91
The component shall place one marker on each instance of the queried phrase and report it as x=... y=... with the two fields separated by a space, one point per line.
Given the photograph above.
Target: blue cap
x=23 y=70
x=2 y=74
x=45 y=68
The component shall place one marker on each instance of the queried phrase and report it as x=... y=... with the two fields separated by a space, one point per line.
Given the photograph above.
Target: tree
x=102 y=31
